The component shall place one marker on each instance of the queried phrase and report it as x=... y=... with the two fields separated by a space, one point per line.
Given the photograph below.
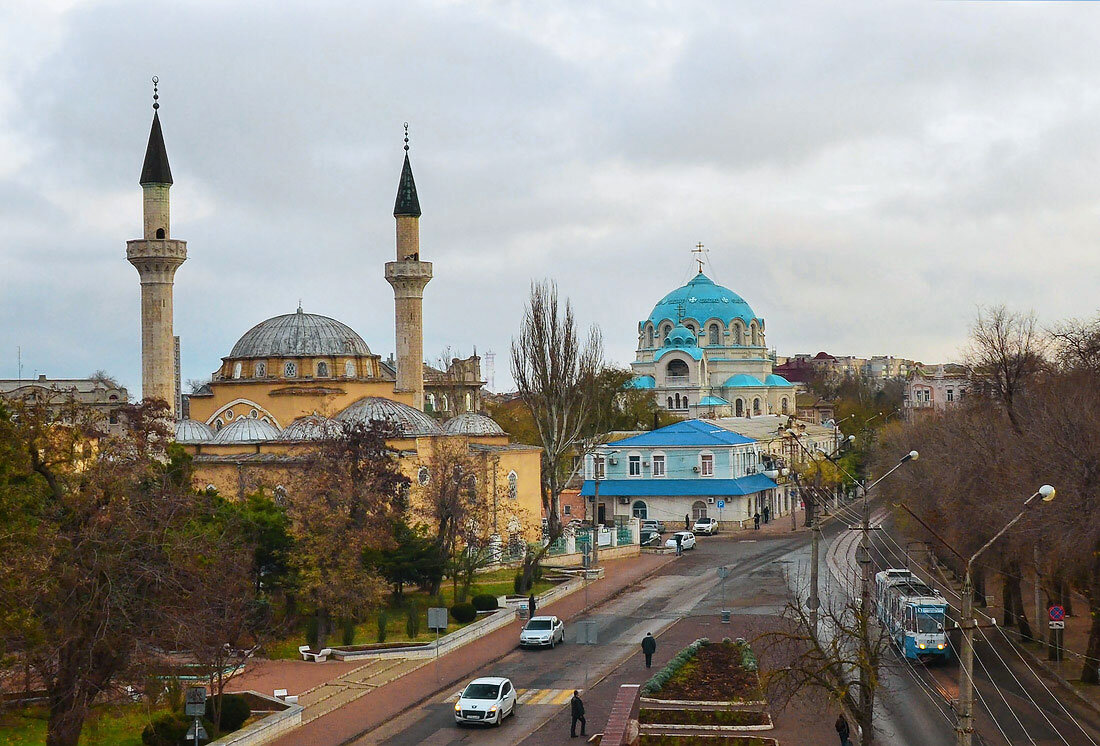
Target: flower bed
x=737 y=718
x=674 y=739
x=706 y=672
x=382 y=646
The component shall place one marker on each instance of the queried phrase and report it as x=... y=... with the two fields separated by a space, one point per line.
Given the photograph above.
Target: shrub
x=412 y=621
x=661 y=677
x=485 y=602
x=311 y=632
x=169 y=729
x=235 y=711
x=348 y=636
x=517 y=584
x=383 y=622
x=464 y=613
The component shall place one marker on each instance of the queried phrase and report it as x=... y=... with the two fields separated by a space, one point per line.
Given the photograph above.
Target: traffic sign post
x=721 y=504
x=194 y=706
x=1057 y=626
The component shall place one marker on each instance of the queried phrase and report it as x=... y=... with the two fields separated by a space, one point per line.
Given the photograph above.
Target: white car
x=489 y=699
x=542 y=631
x=708 y=526
x=687 y=540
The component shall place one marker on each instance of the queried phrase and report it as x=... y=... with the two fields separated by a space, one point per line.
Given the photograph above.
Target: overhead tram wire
x=1000 y=629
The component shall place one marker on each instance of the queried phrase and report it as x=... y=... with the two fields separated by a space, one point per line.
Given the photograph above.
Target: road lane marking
x=555 y=697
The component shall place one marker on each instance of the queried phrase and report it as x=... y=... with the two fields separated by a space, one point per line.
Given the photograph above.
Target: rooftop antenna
x=155 y=95
x=700 y=255
x=19 y=355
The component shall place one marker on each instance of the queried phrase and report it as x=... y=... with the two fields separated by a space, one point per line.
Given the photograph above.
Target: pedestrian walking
x=576 y=709
x=843 y=730
x=649 y=647
x=531 y=605
x=767 y=513
x=687 y=521
x=679 y=544
x=756 y=521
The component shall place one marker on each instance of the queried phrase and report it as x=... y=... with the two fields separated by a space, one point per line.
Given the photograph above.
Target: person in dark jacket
x=576 y=709
x=679 y=544
x=756 y=520
x=767 y=513
x=843 y=730
x=649 y=647
x=531 y=605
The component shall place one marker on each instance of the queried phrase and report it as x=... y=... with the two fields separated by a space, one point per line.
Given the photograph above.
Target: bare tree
x=555 y=371
x=1077 y=344
x=1007 y=350
x=845 y=658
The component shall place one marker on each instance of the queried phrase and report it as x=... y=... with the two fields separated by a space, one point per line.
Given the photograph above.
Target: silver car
x=542 y=632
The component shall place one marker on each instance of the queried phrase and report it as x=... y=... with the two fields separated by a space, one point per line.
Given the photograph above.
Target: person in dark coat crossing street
x=649 y=647
x=576 y=710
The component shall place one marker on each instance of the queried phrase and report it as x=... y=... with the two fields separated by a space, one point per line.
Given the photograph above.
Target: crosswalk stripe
x=535 y=696
x=563 y=698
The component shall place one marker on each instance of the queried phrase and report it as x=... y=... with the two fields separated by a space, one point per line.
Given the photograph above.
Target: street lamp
x=964 y=722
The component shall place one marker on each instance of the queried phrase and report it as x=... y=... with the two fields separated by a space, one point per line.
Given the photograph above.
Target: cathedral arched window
x=783 y=405
x=738 y=335
x=649 y=336
x=755 y=337
x=670 y=402
x=739 y=408
x=677 y=401
x=160 y=233
x=677 y=369
x=290 y=369
x=322 y=369
x=756 y=406
x=349 y=368
x=260 y=371
x=713 y=339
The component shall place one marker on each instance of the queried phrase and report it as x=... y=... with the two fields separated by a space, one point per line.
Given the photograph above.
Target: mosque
x=294 y=379
x=702 y=353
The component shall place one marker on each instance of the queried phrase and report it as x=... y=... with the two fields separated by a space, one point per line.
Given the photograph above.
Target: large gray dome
x=246 y=430
x=470 y=423
x=193 y=431
x=312 y=427
x=299 y=335
x=409 y=422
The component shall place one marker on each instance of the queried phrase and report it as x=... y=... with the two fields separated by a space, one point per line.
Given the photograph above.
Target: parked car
x=650 y=524
x=688 y=540
x=649 y=538
x=489 y=699
x=542 y=632
x=708 y=526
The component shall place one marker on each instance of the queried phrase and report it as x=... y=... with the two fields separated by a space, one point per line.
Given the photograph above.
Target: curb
x=1095 y=707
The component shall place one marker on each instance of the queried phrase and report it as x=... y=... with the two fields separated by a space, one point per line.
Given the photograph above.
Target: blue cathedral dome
x=701 y=300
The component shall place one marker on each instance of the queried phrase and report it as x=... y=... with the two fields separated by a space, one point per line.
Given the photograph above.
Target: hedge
x=464 y=613
x=485 y=602
x=660 y=678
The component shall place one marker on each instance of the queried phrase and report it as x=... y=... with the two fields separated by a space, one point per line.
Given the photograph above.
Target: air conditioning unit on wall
x=624 y=501
x=710 y=500
x=613 y=461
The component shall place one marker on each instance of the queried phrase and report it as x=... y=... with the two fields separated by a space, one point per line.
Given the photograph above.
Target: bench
x=289 y=699
x=319 y=657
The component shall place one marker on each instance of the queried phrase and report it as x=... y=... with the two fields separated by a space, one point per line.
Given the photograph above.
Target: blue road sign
x=721 y=504
x=1057 y=613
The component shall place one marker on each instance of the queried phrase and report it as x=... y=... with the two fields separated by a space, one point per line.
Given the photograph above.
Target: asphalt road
x=546 y=678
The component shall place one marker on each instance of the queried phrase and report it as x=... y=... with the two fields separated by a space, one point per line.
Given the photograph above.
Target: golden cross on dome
x=700 y=252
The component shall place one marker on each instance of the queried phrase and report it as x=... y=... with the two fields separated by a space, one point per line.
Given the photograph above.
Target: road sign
x=196 y=732
x=721 y=504
x=195 y=702
x=1057 y=625
x=1057 y=613
x=586 y=633
x=437 y=618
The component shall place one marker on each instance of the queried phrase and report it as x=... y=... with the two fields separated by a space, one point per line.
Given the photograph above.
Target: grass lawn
x=366 y=632
x=108 y=725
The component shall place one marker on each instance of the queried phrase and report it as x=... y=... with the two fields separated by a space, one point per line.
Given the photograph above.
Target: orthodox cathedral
x=292 y=380
x=702 y=353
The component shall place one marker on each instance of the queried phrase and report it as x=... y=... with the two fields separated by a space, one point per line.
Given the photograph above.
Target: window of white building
x=706 y=464
x=639 y=510
x=599 y=467
x=634 y=464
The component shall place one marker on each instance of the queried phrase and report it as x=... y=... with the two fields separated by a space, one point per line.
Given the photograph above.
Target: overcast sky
x=865 y=174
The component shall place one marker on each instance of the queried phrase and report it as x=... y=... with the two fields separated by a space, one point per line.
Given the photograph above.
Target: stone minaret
x=157 y=257
x=409 y=275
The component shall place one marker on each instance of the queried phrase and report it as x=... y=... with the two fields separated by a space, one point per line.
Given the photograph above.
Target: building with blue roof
x=682 y=472
x=703 y=353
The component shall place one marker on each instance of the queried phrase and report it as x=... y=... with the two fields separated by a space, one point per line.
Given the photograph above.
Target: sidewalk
x=392 y=698
x=780 y=526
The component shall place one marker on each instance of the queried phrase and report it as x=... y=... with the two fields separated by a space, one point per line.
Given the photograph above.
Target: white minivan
x=489 y=700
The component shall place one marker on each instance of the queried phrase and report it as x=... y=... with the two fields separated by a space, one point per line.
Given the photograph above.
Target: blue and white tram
x=914 y=615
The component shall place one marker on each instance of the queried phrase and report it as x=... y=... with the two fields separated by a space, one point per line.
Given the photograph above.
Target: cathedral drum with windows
x=702 y=353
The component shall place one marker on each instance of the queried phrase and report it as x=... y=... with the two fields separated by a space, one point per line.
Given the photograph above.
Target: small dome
x=681 y=336
x=472 y=424
x=742 y=380
x=246 y=430
x=776 y=380
x=701 y=300
x=312 y=427
x=409 y=421
x=642 y=382
x=193 y=431
x=299 y=335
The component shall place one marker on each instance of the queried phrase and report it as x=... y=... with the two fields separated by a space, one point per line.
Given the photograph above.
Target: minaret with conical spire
x=408 y=276
x=156 y=257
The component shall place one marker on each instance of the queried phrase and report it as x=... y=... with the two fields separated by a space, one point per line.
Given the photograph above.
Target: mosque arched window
x=469 y=402
x=446 y=403
x=260 y=371
x=677 y=369
x=431 y=402
x=322 y=369
x=160 y=233
x=513 y=485
x=290 y=369
x=349 y=368
x=713 y=338
x=237 y=369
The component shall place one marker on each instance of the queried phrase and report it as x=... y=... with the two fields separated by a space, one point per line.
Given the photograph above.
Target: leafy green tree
x=413 y=559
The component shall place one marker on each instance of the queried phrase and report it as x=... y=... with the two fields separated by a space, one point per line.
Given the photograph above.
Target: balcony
x=677 y=380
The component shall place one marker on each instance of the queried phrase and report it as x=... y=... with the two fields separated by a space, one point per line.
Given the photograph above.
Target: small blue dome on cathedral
x=776 y=380
x=681 y=336
x=742 y=380
x=702 y=300
x=642 y=382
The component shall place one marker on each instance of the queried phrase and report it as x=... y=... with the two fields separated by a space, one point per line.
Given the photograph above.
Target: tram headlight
x=922 y=646
x=941 y=646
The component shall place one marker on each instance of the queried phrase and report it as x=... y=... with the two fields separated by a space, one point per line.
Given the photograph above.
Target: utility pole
x=964 y=723
x=815 y=552
x=865 y=702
